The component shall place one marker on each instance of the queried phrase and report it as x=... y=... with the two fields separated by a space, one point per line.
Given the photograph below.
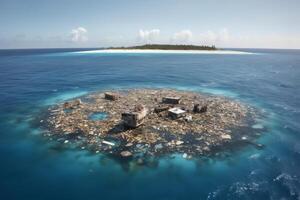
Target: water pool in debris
x=98 y=116
x=32 y=167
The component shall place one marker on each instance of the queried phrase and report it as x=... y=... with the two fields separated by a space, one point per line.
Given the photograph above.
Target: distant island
x=167 y=47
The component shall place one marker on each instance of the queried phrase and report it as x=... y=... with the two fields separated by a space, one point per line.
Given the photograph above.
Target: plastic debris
x=147 y=122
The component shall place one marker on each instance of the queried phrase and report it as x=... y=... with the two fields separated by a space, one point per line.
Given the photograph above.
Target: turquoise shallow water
x=98 y=116
x=33 y=167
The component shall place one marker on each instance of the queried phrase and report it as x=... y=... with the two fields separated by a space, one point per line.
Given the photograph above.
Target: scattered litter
x=126 y=153
x=147 y=122
x=226 y=136
x=179 y=142
x=188 y=118
x=109 y=143
x=185 y=155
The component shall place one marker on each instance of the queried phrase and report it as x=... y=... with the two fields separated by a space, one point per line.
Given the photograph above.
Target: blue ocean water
x=32 y=167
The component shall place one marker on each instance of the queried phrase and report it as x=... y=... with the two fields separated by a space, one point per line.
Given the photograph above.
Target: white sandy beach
x=141 y=51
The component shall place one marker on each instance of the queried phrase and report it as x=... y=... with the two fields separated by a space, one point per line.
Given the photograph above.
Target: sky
x=105 y=23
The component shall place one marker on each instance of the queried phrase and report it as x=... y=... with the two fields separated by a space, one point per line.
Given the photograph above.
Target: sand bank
x=140 y=51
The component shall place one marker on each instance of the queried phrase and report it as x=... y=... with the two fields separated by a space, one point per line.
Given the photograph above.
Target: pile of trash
x=148 y=122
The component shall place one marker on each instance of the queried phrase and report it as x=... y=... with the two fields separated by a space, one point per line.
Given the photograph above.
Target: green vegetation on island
x=168 y=47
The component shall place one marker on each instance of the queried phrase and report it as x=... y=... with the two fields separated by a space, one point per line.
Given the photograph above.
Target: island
x=166 y=47
x=138 y=124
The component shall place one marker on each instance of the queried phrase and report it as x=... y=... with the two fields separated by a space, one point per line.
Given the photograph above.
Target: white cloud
x=224 y=35
x=183 y=36
x=149 y=35
x=79 y=35
x=212 y=37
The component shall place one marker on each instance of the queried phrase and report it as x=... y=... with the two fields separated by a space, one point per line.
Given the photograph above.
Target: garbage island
x=140 y=123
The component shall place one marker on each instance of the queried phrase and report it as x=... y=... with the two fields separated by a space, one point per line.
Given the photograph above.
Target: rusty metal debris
x=110 y=96
x=171 y=100
x=199 y=109
x=135 y=118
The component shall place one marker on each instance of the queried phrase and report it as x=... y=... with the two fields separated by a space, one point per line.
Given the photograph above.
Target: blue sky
x=102 y=23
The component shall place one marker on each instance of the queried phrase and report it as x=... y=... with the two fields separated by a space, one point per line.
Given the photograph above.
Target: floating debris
x=147 y=122
x=179 y=142
x=110 y=96
x=189 y=118
x=171 y=100
x=199 y=109
x=175 y=113
x=109 y=143
x=244 y=138
x=185 y=156
x=126 y=153
x=226 y=137
x=135 y=118
x=72 y=105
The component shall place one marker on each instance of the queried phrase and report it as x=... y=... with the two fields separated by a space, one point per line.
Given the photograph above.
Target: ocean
x=33 y=167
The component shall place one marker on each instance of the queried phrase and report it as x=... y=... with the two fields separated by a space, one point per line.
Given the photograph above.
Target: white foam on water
x=258 y=126
x=36 y=131
x=213 y=91
x=19 y=126
x=218 y=92
x=254 y=156
x=178 y=160
x=141 y=51
x=63 y=97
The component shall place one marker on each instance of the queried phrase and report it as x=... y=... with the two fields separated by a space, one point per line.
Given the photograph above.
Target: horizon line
x=42 y=48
